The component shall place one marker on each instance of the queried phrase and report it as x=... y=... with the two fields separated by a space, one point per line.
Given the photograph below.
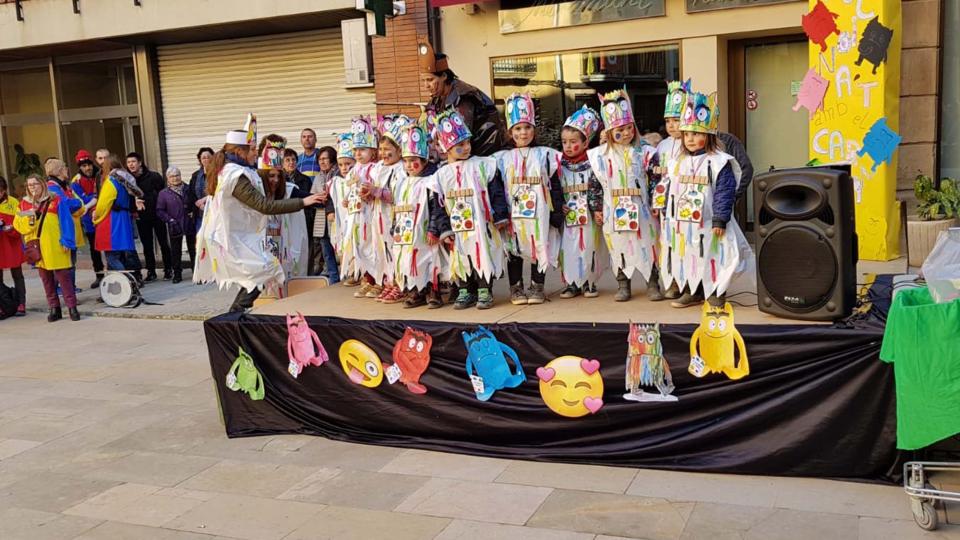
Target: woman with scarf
x=113 y=217
x=175 y=208
x=47 y=216
x=231 y=248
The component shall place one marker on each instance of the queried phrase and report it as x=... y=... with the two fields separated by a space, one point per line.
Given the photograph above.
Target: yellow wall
x=471 y=40
x=53 y=21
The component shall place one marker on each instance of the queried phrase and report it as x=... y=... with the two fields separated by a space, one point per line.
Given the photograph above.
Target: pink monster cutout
x=301 y=341
x=412 y=355
x=819 y=24
x=812 y=90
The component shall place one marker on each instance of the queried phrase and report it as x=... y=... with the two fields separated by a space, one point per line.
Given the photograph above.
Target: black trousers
x=244 y=300
x=475 y=282
x=176 y=252
x=515 y=271
x=19 y=285
x=150 y=229
x=95 y=257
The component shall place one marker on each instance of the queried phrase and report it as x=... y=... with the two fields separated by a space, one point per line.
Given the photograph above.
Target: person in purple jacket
x=177 y=209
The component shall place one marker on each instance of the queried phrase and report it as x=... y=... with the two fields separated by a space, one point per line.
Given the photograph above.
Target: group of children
x=405 y=226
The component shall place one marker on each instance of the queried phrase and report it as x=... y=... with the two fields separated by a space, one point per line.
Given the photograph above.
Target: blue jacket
x=724 y=195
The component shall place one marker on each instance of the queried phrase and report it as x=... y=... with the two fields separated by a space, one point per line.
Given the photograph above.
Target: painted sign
x=525 y=15
x=854 y=55
x=694 y=6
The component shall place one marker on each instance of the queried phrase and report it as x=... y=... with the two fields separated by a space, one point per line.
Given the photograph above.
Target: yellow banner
x=853 y=93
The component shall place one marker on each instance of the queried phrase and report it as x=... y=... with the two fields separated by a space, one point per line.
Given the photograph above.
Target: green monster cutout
x=243 y=375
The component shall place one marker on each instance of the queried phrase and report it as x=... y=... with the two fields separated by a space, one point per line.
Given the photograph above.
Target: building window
x=950 y=95
x=562 y=83
x=29 y=126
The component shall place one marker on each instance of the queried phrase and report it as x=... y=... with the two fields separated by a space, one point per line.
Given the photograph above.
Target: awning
x=447 y=3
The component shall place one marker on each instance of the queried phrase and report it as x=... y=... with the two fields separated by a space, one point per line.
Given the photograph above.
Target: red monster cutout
x=412 y=355
x=819 y=24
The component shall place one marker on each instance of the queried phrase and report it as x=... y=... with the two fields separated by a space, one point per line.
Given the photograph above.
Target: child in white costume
x=583 y=257
x=386 y=172
x=419 y=224
x=628 y=226
x=472 y=193
x=531 y=179
x=668 y=151
x=286 y=234
x=357 y=245
x=338 y=194
x=702 y=244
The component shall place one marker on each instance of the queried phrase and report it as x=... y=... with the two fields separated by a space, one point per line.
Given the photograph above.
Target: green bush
x=933 y=203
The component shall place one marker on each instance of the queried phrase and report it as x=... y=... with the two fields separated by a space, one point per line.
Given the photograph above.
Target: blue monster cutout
x=487 y=359
x=880 y=142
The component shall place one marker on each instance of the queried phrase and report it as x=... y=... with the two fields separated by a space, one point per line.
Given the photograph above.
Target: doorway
x=765 y=82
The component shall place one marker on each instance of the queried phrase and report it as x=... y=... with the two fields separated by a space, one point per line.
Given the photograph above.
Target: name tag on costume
x=462 y=216
x=626 y=209
x=526 y=197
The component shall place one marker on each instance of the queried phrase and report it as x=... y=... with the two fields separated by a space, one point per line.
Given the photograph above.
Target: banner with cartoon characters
x=556 y=391
x=852 y=94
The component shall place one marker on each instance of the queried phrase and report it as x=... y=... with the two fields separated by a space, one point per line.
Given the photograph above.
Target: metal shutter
x=290 y=81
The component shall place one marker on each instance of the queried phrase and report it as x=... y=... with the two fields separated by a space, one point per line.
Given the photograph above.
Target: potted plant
x=937 y=210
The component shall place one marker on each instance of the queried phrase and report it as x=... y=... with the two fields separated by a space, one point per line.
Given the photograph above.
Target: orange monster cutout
x=412 y=355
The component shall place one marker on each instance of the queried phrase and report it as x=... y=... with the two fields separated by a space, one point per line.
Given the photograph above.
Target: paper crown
x=345 y=145
x=519 y=108
x=616 y=110
x=451 y=129
x=585 y=120
x=272 y=156
x=364 y=136
x=427 y=58
x=676 y=98
x=701 y=114
x=389 y=125
x=414 y=141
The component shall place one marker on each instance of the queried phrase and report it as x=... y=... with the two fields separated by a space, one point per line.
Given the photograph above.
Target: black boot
x=74 y=314
x=96 y=282
x=151 y=276
x=177 y=278
x=55 y=314
x=167 y=274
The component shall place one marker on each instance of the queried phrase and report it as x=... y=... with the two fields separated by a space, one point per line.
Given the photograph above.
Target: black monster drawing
x=874 y=43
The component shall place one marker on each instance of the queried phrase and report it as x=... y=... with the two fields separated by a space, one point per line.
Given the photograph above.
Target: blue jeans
x=330 y=268
x=123 y=260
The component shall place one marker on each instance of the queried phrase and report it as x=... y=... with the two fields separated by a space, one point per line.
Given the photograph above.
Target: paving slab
x=151 y=468
x=856 y=498
x=240 y=516
x=567 y=476
x=24 y=524
x=621 y=515
x=137 y=504
x=244 y=477
x=461 y=529
x=498 y=503
x=12 y=447
x=341 y=523
x=51 y=492
x=719 y=488
x=444 y=465
x=112 y=530
x=359 y=489
x=896 y=529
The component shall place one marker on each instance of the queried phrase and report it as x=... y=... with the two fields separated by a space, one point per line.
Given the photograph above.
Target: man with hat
x=476 y=108
x=86 y=185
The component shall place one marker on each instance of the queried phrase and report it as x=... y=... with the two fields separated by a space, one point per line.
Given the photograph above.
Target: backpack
x=8 y=302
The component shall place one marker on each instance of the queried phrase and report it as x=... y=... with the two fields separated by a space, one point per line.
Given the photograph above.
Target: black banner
x=817 y=402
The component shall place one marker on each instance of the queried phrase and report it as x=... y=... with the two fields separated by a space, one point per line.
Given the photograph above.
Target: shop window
x=950 y=96
x=95 y=84
x=561 y=83
x=26 y=92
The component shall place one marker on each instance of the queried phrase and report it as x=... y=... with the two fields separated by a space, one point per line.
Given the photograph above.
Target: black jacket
x=479 y=113
x=303 y=183
x=151 y=183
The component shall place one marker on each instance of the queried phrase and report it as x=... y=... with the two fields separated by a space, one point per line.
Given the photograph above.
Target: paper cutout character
x=819 y=24
x=874 y=43
x=361 y=364
x=487 y=360
x=715 y=343
x=646 y=365
x=412 y=356
x=244 y=375
x=880 y=142
x=571 y=386
x=812 y=90
x=303 y=345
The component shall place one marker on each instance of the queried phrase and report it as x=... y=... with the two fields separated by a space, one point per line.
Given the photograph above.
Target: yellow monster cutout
x=717 y=340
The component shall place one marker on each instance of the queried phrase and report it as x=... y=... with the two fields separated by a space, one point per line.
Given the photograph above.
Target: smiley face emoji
x=571 y=386
x=361 y=364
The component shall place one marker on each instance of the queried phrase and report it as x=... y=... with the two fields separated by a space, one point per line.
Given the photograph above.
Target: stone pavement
x=109 y=430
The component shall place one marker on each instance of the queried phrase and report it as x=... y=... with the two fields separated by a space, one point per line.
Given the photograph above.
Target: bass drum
x=119 y=289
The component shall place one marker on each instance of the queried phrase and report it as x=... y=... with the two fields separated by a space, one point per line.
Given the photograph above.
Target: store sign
x=542 y=14
x=694 y=6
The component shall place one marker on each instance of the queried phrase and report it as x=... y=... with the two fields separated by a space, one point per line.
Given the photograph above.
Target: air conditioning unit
x=356 y=52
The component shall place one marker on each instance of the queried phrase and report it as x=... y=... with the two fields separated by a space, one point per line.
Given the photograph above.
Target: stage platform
x=816 y=402
x=337 y=300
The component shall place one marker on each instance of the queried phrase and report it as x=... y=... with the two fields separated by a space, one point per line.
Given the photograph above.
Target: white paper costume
x=287 y=240
x=380 y=265
x=356 y=236
x=527 y=174
x=692 y=255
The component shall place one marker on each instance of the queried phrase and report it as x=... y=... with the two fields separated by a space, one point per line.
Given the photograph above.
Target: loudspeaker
x=806 y=243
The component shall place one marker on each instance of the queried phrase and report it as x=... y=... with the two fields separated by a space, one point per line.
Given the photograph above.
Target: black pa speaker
x=806 y=243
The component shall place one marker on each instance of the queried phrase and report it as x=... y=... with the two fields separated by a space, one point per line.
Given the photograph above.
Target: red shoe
x=21 y=311
x=392 y=295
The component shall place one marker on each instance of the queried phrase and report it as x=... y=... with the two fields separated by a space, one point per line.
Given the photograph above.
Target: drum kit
x=120 y=289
